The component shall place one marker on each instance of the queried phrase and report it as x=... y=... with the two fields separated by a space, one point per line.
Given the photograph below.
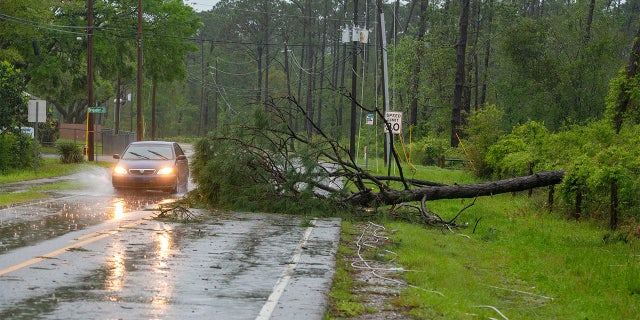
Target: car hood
x=145 y=164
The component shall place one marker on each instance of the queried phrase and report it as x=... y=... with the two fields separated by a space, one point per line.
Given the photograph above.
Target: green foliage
x=69 y=152
x=13 y=102
x=16 y=151
x=519 y=152
x=594 y=156
x=430 y=151
x=623 y=89
x=481 y=131
x=49 y=131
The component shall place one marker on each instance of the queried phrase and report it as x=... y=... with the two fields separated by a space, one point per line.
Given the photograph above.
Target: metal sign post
x=369 y=123
x=37 y=113
x=394 y=119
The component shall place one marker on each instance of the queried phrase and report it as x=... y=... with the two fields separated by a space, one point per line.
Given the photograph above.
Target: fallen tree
x=277 y=168
x=391 y=197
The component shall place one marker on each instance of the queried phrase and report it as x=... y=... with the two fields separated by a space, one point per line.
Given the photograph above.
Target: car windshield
x=148 y=153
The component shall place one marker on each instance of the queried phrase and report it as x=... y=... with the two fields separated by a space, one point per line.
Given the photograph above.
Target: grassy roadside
x=47 y=169
x=519 y=261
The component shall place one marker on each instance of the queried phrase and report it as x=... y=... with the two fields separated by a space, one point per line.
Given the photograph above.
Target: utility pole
x=90 y=127
x=385 y=78
x=202 y=131
x=354 y=88
x=139 y=135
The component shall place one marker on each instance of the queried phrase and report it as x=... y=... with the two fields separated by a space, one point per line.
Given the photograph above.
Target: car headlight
x=119 y=170
x=167 y=170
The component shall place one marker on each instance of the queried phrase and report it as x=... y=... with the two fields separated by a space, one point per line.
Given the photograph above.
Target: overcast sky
x=201 y=5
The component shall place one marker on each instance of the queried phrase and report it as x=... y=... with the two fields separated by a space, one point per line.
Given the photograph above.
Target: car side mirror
x=181 y=157
x=116 y=156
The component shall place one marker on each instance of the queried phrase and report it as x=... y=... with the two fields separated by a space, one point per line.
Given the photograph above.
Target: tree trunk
x=461 y=48
x=354 y=88
x=457 y=191
x=309 y=98
x=485 y=75
x=267 y=61
x=413 y=120
x=613 y=210
x=323 y=48
x=578 y=212
x=259 y=86
x=587 y=35
x=623 y=96
x=216 y=108
x=552 y=191
x=154 y=87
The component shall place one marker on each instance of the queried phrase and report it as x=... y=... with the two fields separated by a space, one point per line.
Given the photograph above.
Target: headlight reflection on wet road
x=163 y=288
x=115 y=278
x=118 y=209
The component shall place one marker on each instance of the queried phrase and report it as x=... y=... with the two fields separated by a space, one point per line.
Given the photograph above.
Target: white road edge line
x=281 y=284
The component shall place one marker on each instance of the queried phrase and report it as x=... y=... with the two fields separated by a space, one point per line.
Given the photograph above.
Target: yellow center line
x=91 y=237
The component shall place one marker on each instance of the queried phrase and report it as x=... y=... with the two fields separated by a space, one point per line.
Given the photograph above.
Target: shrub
x=69 y=152
x=518 y=152
x=16 y=151
x=48 y=132
x=429 y=151
x=482 y=130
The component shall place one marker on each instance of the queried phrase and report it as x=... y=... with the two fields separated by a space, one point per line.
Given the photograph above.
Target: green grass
x=47 y=169
x=19 y=197
x=519 y=259
x=526 y=263
x=37 y=192
x=346 y=304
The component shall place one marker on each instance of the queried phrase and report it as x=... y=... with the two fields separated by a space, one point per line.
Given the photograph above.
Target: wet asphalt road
x=94 y=254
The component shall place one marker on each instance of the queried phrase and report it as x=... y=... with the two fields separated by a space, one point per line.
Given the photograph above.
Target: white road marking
x=283 y=281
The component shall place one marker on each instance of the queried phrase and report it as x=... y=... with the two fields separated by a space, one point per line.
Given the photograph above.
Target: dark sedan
x=151 y=165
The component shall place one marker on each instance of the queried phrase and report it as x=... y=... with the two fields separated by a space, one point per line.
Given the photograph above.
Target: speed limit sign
x=395 y=121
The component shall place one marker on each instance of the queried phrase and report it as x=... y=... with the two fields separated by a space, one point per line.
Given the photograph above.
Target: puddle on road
x=133 y=268
x=35 y=222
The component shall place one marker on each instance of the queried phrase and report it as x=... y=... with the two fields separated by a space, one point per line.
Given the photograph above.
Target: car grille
x=142 y=172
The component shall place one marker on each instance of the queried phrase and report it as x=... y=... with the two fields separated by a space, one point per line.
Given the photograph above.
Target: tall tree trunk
x=476 y=64
x=343 y=71
x=632 y=71
x=216 y=108
x=201 y=123
x=265 y=41
x=323 y=47
x=587 y=34
x=154 y=86
x=116 y=116
x=309 y=98
x=289 y=93
x=335 y=97
x=354 y=77
x=487 y=54
x=413 y=118
x=461 y=48
x=260 y=50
